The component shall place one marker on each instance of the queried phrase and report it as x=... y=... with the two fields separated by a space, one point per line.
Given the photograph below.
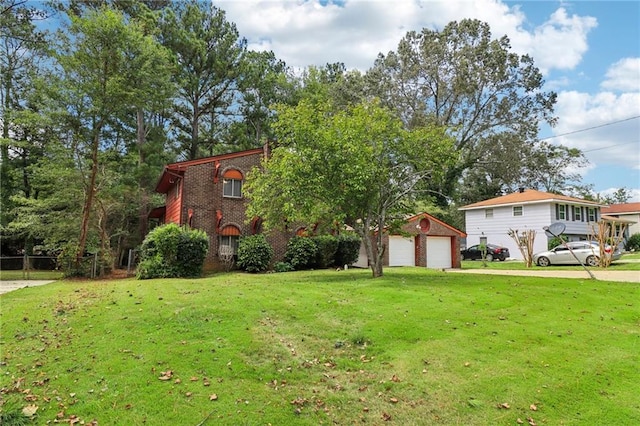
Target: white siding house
x=526 y=210
x=628 y=214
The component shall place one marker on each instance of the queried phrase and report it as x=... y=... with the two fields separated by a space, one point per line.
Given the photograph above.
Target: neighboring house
x=207 y=194
x=489 y=221
x=628 y=214
x=428 y=242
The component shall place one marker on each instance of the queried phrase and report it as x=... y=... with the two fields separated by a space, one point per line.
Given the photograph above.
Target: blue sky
x=588 y=51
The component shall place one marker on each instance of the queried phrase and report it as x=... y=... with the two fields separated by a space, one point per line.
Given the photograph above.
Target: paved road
x=7 y=286
x=604 y=275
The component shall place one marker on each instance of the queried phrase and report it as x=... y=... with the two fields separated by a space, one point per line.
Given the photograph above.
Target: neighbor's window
x=517 y=210
x=562 y=212
x=488 y=213
x=232 y=184
x=592 y=214
x=577 y=213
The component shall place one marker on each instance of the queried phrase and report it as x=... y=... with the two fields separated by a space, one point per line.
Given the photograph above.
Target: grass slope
x=325 y=347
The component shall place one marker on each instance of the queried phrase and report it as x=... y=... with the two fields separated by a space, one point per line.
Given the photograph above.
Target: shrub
x=326 y=246
x=633 y=243
x=348 y=249
x=556 y=241
x=254 y=253
x=301 y=253
x=171 y=251
x=282 y=267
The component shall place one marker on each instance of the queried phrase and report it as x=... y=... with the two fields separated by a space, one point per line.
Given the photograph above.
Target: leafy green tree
x=99 y=58
x=23 y=135
x=489 y=98
x=358 y=166
x=208 y=56
x=262 y=82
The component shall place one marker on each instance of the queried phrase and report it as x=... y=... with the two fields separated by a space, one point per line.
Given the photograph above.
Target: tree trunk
x=144 y=196
x=88 y=203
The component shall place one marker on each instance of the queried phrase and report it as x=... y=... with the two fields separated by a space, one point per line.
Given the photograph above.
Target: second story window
x=562 y=212
x=232 y=184
x=592 y=214
x=517 y=210
x=577 y=213
x=488 y=213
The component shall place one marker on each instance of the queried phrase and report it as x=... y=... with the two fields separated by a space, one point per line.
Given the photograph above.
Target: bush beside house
x=171 y=251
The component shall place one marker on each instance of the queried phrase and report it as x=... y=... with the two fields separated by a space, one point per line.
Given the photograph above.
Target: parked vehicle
x=587 y=252
x=493 y=252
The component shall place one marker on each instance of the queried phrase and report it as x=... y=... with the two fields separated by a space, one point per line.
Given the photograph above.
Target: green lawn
x=415 y=347
x=30 y=275
x=626 y=263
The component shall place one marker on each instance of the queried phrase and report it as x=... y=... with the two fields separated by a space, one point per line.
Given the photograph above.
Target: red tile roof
x=528 y=196
x=622 y=208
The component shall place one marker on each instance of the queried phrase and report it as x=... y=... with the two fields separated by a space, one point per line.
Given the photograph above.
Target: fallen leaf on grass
x=166 y=375
x=394 y=400
x=533 y=407
x=395 y=378
x=519 y=421
x=188 y=394
x=531 y=421
x=504 y=405
x=29 y=410
x=213 y=397
x=386 y=417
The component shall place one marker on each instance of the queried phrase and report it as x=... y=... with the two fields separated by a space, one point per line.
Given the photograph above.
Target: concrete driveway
x=7 y=286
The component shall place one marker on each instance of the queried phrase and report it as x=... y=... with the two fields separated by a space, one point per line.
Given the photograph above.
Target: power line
x=610 y=146
x=591 y=128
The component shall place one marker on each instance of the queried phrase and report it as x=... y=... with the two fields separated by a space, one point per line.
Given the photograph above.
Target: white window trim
x=521 y=209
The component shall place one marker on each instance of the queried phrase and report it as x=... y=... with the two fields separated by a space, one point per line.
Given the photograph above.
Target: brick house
x=206 y=194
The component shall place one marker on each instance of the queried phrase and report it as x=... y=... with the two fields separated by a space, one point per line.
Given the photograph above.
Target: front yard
x=325 y=347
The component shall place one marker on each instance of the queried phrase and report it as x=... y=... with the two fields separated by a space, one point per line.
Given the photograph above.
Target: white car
x=587 y=252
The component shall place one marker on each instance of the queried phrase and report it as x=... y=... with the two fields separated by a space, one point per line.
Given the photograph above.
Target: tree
x=99 y=61
x=489 y=98
x=23 y=135
x=358 y=166
x=208 y=54
x=262 y=82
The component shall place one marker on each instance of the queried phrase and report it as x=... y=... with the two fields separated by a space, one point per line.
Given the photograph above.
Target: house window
x=229 y=237
x=517 y=210
x=577 y=213
x=488 y=213
x=176 y=190
x=592 y=214
x=562 y=212
x=232 y=184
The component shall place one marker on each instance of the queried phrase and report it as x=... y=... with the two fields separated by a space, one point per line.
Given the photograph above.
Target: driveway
x=7 y=286
x=604 y=275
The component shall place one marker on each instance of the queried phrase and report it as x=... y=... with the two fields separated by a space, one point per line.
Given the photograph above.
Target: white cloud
x=616 y=142
x=304 y=33
x=623 y=75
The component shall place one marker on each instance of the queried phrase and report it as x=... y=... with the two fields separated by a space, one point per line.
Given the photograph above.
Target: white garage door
x=401 y=251
x=438 y=252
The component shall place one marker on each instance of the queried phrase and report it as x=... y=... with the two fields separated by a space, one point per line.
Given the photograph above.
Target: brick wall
x=203 y=196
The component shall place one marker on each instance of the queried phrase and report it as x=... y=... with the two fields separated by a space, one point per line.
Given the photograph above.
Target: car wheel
x=502 y=259
x=543 y=261
x=489 y=257
x=592 y=260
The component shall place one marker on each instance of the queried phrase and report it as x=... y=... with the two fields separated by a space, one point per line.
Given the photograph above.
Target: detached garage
x=431 y=243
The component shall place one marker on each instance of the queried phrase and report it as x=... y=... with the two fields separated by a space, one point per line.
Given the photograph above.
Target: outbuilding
x=425 y=241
